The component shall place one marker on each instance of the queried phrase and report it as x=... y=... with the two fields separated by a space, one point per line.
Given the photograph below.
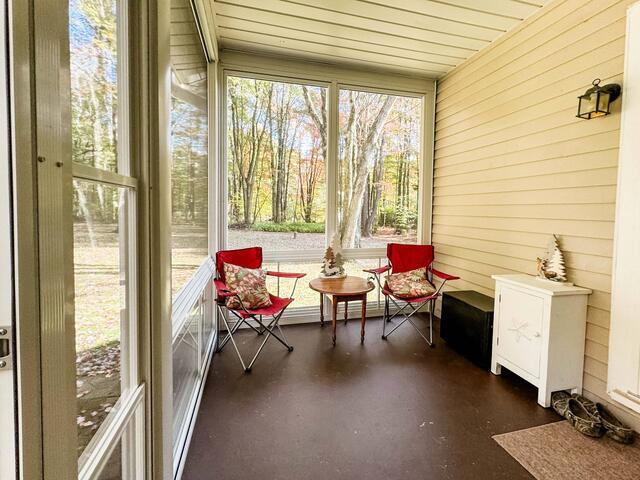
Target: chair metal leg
x=432 y=304
x=419 y=332
x=407 y=317
x=261 y=330
x=268 y=328
x=282 y=335
x=384 y=317
x=272 y=325
x=233 y=342
x=248 y=369
x=230 y=332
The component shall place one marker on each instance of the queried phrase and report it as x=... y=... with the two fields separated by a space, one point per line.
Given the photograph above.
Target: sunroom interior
x=488 y=146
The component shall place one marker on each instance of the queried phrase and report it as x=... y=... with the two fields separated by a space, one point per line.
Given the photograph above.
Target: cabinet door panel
x=520 y=328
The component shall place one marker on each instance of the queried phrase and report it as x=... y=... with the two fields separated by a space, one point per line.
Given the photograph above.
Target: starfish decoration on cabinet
x=519 y=329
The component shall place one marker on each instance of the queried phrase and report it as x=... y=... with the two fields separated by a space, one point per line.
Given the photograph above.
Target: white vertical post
x=425 y=167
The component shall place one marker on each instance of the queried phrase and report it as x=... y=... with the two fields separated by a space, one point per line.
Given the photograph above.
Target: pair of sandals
x=589 y=418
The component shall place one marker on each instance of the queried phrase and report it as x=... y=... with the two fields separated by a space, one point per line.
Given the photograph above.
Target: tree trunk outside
x=350 y=222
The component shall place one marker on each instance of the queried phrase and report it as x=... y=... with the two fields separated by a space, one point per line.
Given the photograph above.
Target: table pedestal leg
x=364 y=318
x=346 y=312
x=334 y=317
x=322 y=310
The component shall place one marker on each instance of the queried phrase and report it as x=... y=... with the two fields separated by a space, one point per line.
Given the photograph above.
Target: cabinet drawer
x=520 y=329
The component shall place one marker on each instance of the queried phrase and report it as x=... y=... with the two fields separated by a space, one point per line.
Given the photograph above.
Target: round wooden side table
x=346 y=289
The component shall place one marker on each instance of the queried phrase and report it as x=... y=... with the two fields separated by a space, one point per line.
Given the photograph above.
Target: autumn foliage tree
x=278 y=146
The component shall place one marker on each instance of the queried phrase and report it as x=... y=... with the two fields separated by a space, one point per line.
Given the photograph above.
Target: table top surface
x=342 y=286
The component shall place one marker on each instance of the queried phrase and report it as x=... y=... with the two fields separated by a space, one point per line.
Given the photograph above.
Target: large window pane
x=305 y=297
x=94 y=86
x=125 y=461
x=101 y=281
x=277 y=142
x=189 y=150
x=379 y=152
x=186 y=371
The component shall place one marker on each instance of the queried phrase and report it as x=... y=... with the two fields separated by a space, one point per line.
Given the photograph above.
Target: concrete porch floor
x=383 y=410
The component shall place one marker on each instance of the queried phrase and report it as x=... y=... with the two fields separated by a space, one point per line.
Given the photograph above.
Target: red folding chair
x=404 y=258
x=250 y=258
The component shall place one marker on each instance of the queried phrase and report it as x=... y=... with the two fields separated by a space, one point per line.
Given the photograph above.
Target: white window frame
x=56 y=171
x=126 y=422
x=333 y=78
x=197 y=292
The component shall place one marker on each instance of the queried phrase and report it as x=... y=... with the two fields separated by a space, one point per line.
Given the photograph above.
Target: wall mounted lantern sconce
x=596 y=101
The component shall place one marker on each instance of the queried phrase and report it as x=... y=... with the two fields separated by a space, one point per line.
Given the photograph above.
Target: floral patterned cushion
x=250 y=285
x=410 y=284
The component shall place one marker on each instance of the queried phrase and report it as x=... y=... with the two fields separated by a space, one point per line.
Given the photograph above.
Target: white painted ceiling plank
x=421 y=37
x=330 y=50
x=273 y=21
x=396 y=16
x=442 y=10
x=513 y=8
x=282 y=32
x=243 y=46
x=255 y=8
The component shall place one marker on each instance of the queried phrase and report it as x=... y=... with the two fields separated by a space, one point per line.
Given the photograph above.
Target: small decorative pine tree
x=555 y=264
x=553 y=267
x=328 y=263
x=332 y=264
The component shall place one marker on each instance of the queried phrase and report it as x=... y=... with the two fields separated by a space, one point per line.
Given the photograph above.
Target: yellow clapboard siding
x=541 y=100
x=609 y=27
x=562 y=227
x=584 y=178
x=524 y=95
x=567 y=150
x=540 y=135
x=598 y=334
x=520 y=258
x=598 y=316
x=513 y=165
x=596 y=351
x=597 y=212
x=509 y=89
x=588 y=246
x=597 y=194
x=600 y=299
x=557 y=25
x=595 y=368
x=494 y=170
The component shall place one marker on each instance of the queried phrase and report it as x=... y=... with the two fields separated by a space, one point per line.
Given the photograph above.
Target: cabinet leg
x=496 y=368
x=544 y=397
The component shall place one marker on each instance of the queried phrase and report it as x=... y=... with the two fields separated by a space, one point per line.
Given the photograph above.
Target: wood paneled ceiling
x=423 y=37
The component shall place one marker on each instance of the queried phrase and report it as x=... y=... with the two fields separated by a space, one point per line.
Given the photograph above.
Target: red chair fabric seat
x=405 y=258
x=250 y=258
x=277 y=305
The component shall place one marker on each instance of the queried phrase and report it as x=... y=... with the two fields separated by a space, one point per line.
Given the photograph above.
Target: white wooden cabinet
x=539 y=333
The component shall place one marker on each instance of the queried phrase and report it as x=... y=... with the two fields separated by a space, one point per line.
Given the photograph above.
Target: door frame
x=26 y=284
x=150 y=96
x=8 y=452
